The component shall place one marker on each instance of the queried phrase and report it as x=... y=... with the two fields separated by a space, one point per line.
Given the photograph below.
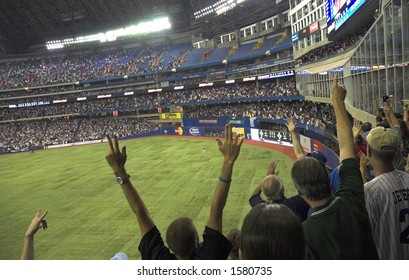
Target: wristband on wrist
x=121 y=180
x=224 y=180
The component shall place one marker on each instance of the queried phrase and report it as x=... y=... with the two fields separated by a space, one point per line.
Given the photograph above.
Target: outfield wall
x=312 y=140
x=214 y=127
x=307 y=143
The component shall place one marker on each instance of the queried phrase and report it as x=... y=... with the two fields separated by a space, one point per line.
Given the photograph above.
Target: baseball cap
x=120 y=256
x=382 y=139
x=318 y=155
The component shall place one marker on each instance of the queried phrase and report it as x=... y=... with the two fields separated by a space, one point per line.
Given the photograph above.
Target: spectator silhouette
x=339 y=226
x=298 y=149
x=386 y=196
x=181 y=236
x=271 y=232
x=273 y=189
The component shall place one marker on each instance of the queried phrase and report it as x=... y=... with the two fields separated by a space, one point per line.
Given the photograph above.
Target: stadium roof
x=24 y=23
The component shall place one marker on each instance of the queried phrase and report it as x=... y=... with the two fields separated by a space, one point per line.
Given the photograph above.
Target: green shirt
x=340 y=229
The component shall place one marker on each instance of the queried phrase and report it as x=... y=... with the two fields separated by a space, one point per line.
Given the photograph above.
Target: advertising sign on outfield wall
x=307 y=143
x=185 y=131
x=268 y=136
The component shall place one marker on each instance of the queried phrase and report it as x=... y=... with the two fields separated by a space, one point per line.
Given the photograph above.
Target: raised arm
x=117 y=159
x=399 y=160
x=363 y=163
x=230 y=149
x=36 y=223
x=406 y=114
x=298 y=150
x=257 y=191
x=356 y=130
x=345 y=139
x=271 y=170
x=390 y=116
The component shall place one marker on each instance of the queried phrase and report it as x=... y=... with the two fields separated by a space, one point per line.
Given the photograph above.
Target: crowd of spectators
x=96 y=106
x=59 y=131
x=332 y=48
x=313 y=114
x=38 y=91
x=361 y=220
x=286 y=88
x=23 y=136
x=87 y=66
x=96 y=65
x=145 y=100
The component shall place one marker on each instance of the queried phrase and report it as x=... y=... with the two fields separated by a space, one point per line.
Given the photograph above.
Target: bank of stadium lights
x=142 y=28
x=218 y=8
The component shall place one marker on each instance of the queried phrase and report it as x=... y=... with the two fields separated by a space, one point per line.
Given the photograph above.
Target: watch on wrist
x=121 y=180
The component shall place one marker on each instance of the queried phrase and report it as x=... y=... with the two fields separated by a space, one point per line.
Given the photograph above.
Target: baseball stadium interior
x=74 y=72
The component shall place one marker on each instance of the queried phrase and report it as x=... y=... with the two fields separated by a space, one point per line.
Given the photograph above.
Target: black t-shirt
x=295 y=203
x=215 y=246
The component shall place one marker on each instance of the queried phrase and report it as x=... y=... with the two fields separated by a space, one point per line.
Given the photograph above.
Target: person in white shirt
x=387 y=196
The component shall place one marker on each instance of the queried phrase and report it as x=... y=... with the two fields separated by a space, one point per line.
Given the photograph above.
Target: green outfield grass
x=89 y=217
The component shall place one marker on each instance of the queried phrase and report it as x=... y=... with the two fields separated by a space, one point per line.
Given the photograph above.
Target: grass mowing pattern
x=89 y=217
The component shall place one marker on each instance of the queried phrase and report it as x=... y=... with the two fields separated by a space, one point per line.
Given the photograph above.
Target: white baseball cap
x=383 y=139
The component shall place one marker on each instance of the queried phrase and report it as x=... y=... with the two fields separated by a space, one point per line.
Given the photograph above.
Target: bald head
x=272 y=188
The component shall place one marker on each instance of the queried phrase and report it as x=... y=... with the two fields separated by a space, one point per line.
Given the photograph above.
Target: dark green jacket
x=340 y=229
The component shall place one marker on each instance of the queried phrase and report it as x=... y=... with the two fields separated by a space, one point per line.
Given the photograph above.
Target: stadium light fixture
x=141 y=28
x=218 y=8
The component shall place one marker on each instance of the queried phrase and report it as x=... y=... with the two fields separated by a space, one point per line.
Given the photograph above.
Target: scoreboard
x=339 y=11
x=273 y=135
x=170 y=116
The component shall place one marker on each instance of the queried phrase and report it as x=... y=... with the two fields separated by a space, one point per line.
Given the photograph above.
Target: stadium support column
x=158 y=93
x=258 y=28
x=238 y=37
x=405 y=35
x=405 y=47
x=157 y=84
x=383 y=3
